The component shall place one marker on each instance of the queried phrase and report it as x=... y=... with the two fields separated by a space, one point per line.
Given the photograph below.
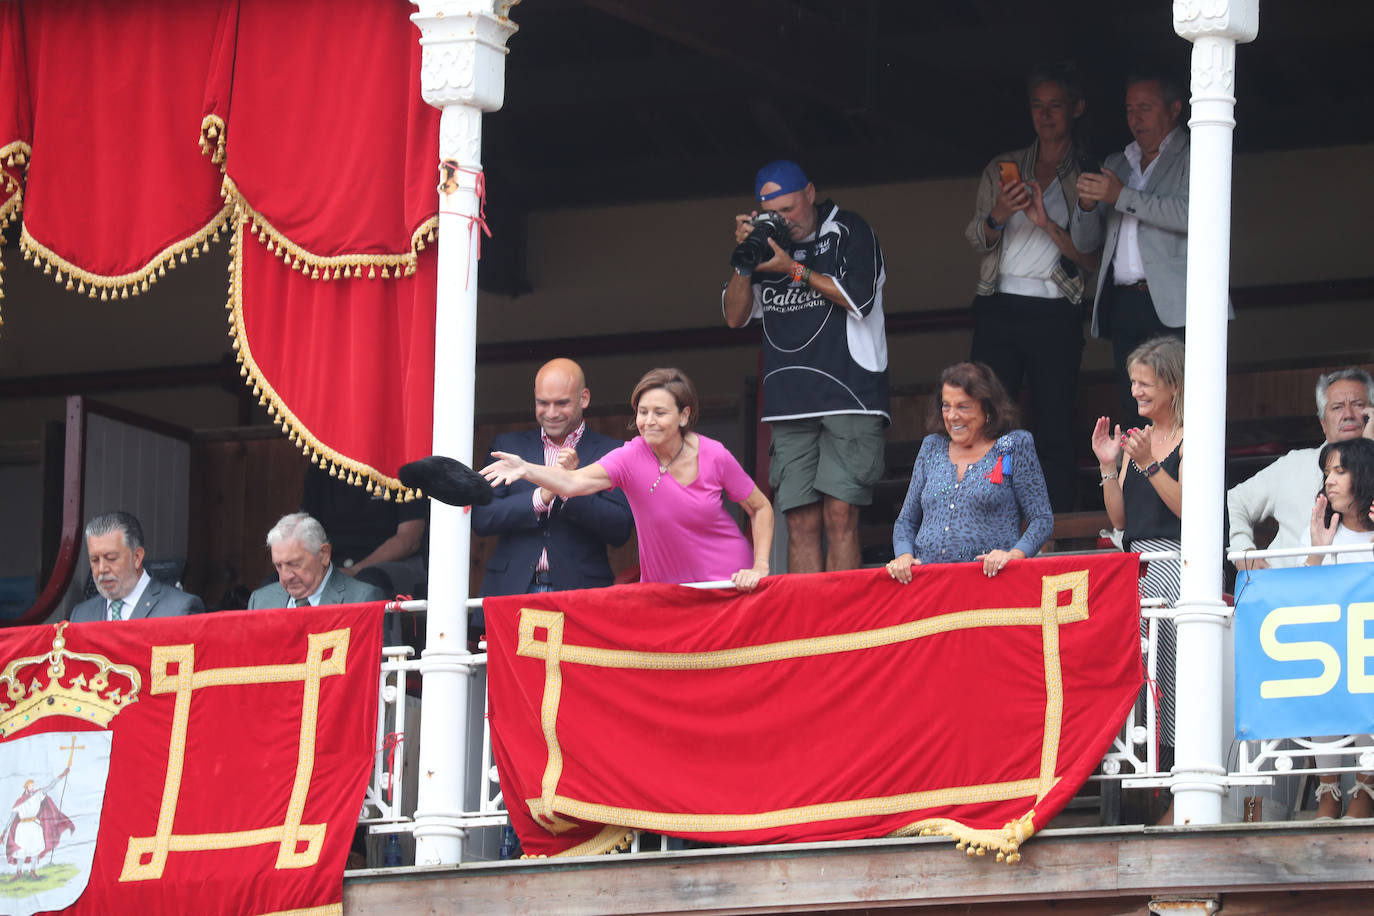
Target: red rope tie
x=480 y=218
x=389 y=746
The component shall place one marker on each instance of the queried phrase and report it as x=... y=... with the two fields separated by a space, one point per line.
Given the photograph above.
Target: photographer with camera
x=814 y=276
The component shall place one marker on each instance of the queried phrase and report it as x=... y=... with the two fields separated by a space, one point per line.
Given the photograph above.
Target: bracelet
x=1106 y=476
x=994 y=225
x=800 y=272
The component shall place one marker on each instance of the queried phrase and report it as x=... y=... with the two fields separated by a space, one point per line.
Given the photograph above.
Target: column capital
x=464 y=42
x=1237 y=20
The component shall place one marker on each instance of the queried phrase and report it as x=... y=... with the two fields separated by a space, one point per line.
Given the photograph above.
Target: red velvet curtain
x=956 y=705
x=147 y=127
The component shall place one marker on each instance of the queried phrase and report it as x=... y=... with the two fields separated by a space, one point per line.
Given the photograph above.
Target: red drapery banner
x=213 y=763
x=132 y=134
x=820 y=707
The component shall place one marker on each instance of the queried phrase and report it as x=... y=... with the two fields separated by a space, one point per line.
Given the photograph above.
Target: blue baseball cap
x=785 y=173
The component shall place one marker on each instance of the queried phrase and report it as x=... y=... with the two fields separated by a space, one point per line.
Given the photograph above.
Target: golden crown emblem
x=80 y=685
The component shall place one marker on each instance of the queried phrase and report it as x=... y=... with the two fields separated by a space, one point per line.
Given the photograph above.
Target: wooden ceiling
x=618 y=101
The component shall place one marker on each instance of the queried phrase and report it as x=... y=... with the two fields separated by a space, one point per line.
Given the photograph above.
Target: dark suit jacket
x=158 y=600
x=576 y=532
x=340 y=589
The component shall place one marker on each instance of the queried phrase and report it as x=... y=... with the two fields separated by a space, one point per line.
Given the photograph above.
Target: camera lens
x=754 y=250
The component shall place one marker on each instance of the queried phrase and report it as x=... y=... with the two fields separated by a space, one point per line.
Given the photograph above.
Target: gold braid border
x=13 y=155
x=319 y=454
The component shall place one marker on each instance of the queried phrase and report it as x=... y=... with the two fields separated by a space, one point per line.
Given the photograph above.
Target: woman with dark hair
x=674 y=479
x=1027 y=311
x=975 y=482
x=1343 y=514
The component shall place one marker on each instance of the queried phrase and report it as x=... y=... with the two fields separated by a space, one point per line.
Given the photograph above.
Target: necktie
x=117 y=609
x=302 y=602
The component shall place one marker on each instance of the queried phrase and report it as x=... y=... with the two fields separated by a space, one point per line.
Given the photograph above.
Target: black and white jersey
x=819 y=358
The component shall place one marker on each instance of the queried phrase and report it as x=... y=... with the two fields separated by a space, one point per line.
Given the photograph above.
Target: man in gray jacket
x=1136 y=210
x=305 y=576
x=114 y=541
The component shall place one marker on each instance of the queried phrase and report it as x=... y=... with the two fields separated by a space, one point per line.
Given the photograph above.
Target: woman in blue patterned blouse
x=975 y=483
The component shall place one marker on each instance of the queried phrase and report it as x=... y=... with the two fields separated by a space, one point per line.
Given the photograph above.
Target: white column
x=462 y=74
x=1214 y=27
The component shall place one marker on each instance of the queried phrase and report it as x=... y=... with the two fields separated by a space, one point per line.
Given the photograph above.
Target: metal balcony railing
x=1133 y=759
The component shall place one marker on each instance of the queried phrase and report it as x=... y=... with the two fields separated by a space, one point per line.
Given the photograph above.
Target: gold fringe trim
x=13 y=156
x=1007 y=841
x=332 y=267
x=319 y=454
x=79 y=280
x=212 y=138
x=610 y=839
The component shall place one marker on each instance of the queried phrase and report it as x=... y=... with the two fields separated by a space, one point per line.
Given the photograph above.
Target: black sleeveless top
x=1146 y=514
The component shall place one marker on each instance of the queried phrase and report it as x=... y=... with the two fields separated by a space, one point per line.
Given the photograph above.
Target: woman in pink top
x=674 y=479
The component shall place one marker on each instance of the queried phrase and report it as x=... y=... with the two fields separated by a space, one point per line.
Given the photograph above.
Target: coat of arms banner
x=211 y=764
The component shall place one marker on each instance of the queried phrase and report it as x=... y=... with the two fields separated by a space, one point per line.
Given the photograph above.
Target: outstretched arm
x=509 y=468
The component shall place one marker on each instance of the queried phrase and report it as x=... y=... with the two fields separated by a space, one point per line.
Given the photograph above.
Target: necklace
x=663 y=468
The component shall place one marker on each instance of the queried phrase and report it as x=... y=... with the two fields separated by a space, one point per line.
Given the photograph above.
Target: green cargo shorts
x=839 y=455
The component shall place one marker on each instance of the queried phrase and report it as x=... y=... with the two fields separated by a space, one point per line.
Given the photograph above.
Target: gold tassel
x=69 y=284
x=295 y=263
x=372 y=273
x=385 y=275
x=386 y=495
x=183 y=257
x=104 y=295
x=314 y=274
x=124 y=292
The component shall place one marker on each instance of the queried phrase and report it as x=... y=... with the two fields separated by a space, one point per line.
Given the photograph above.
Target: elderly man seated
x=300 y=552
x=1285 y=490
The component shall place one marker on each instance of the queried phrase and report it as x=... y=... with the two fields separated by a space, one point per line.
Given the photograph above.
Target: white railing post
x=1214 y=27
x=462 y=74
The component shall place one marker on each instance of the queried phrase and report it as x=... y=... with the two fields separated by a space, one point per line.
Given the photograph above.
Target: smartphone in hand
x=1010 y=173
x=1088 y=164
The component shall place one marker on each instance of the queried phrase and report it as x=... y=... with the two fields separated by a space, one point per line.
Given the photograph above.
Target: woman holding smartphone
x=1027 y=314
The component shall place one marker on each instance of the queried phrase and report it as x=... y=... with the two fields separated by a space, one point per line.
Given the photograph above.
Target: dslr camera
x=754 y=250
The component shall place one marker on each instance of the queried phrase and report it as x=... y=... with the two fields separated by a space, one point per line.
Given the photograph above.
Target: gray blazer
x=340 y=589
x=1162 y=208
x=158 y=600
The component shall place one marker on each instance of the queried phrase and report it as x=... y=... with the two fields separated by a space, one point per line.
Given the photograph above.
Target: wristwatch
x=1152 y=469
x=994 y=225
